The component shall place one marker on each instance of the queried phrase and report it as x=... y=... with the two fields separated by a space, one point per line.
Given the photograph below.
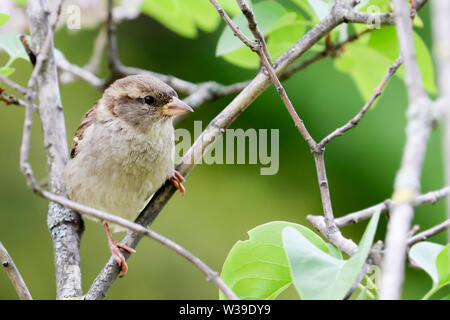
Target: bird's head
x=143 y=100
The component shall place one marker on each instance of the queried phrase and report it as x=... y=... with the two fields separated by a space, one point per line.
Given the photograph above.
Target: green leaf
x=185 y=16
x=7 y=71
x=317 y=275
x=282 y=28
x=13 y=46
x=203 y=14
x=334 y=252
x=443 y=266
x=302 y=4
x=365 y=65
x=434 y=259
x=373 y=6
x=258 y=268
x=267 y=14
x=385 y=41
x=278 y=43
x=424 y=255
x=242 y=57
x=418 y=22
x=171 y=15
x=283 y=38
x=368 y=60
x=4 y=18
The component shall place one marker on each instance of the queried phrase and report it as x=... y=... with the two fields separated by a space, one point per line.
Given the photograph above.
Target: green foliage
x=365 y=66
x=386 y=42
x=3 y=18
x=257 y=268
x=372 y=5
x=13 y=46
x=368 y=59
x=434 y=259
x=185 y=16
x=283 y=29
x=317 y=275
x=304 y=5
x=279 y=253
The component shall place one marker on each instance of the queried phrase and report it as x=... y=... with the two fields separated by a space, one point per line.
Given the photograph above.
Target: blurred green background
x=222 y=202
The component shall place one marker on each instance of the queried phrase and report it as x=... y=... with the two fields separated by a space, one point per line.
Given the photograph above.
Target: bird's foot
x=115 y=247
x=177 y=180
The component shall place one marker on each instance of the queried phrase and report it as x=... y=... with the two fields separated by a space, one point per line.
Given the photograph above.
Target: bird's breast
x=117 y=169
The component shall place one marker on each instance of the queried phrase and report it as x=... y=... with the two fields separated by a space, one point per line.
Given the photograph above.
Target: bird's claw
x=177 y=180
x=115 y=247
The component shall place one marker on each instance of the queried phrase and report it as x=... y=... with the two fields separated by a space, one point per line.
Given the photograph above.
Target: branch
x=9 y=99
x=355 y=217
x=441 y=31
x=429 y=233
x=13 y=84
x=253 y=26
x=65 y=226
x=331 y=51
x=100 y=44
x=388 y=18
x=81 y=73
x=14 y=274
x=427 y=198
x=407 y=182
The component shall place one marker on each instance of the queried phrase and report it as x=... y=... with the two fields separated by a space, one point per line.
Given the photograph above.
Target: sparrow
x=123 y=151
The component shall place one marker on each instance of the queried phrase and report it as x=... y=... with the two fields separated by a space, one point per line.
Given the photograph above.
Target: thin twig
x=355 y=217
x=254 y=28
x=14 y=274
x=13 y=84
x=357 y=118
x=10 y=99
x=26 y=45
x=330 y=230
x=81 y=73
x=237 y=32
x=332 y=52
x=113 y=50
x=100 y=45
x=429 y=233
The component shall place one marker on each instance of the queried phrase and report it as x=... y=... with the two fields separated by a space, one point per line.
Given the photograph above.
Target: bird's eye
x=149 y=99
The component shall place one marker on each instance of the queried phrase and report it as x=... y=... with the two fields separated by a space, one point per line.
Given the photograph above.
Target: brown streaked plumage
x=123 y=150
x=86 y=121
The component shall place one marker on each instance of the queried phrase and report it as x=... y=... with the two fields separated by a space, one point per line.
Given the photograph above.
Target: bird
x=123 y=151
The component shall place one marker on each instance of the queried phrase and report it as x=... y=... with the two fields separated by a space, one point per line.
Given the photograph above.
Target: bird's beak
x=176 y=107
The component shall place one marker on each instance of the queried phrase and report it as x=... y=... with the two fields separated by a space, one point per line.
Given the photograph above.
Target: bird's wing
x=88 y=119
